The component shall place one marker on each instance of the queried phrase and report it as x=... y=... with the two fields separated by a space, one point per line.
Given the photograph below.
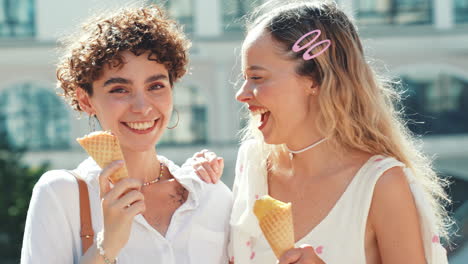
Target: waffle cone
x=104 y=148
x=276 y=222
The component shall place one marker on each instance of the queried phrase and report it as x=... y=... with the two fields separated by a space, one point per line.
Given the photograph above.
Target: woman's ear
x=84 y=101
x=312 y=88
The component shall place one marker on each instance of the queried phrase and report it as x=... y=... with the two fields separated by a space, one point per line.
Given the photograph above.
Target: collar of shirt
x=185 y=175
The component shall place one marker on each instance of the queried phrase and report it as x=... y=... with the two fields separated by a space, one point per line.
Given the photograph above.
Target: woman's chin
x=138 y=147
x=268 y=138
x=272 y=140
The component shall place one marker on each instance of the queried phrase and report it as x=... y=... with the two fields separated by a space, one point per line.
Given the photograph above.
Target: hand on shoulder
x=208 y=166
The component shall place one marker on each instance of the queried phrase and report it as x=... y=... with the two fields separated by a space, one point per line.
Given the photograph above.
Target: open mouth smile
x=143 y=127
x=264 y=115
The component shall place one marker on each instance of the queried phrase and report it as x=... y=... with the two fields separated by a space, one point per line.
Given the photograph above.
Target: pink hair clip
x=307 y=55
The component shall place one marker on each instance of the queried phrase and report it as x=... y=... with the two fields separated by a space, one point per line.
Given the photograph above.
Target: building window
x=437 y=105
x=34 y=118
x=181 y=10
x=17 y=18
x=394 y=12
x=461 y=11
x=191 y=129
x=234 y=12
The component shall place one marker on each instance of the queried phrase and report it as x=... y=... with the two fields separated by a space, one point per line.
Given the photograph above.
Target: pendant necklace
x=292 y=152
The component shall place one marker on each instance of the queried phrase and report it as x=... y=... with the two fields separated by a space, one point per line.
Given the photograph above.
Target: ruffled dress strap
x=435 y=252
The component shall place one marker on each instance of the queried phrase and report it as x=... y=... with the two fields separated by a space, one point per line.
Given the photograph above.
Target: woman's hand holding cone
x=302 y=255
x=120 y=204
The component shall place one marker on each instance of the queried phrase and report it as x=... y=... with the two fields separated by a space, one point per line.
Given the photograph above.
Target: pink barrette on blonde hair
x=307 y=55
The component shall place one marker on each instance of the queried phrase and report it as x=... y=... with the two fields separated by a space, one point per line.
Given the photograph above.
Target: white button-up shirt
x=198 y=232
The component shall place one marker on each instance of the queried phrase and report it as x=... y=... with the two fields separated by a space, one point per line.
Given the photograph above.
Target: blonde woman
x=324 y=135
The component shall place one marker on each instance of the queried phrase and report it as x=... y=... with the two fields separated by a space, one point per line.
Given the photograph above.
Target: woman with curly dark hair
x=121 y=69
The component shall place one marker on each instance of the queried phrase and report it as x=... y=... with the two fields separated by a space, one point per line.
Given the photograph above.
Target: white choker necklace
x=306 y=148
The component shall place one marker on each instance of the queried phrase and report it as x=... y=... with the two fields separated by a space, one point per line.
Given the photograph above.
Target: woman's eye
x=118 y=90
x=255 y=78
x=156 y=87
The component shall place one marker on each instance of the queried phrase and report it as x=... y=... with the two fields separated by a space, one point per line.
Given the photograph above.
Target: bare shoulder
x=392 y=182
x=394 y=218
x=392 y=195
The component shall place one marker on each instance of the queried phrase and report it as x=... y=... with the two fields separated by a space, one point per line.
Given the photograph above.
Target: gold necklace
x=161 y=172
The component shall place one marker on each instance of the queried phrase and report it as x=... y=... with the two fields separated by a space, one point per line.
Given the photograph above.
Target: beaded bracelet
x=99 y=239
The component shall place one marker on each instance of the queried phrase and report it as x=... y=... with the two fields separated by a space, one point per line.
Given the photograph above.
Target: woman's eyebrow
x=117 y=80
x=156 y=77
x=120 y=80
x=256 y=68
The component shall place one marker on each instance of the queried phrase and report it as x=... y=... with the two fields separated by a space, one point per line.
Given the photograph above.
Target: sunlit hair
x=103 y=38
x=357 y=107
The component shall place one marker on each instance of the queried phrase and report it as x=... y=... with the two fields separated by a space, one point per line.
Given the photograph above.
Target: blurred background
x=424 y=43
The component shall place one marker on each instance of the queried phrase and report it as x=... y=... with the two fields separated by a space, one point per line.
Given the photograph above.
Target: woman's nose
x=244 y=94
x=140 y=104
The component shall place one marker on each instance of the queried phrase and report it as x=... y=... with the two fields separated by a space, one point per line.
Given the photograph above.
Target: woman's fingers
x=129 y=198
x=208 y=166
x=201 y=172
x=213 y=165
x=210 y=171
x=136 y=208
x=122 y=187
x=104 y=184
x=290 y=256
x=309 y=255
x=200 y=154
x=305 y=254
x=211 y=161
x=220 y=162
x=217 y=166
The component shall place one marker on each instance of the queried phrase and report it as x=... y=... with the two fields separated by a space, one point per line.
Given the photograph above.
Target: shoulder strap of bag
x=86 y=231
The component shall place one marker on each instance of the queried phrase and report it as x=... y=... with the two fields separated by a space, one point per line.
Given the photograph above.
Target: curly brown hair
x=102 y=39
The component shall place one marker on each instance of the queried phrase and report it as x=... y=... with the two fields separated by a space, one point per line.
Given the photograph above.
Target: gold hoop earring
x=177 y=123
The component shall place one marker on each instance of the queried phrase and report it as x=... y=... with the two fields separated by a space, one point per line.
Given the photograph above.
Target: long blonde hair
x=357 y=106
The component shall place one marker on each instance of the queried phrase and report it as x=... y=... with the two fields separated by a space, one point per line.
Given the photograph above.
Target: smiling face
x=134 y=101
x=283 y=102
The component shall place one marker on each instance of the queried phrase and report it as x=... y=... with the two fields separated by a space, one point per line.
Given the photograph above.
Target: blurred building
x=423 y=42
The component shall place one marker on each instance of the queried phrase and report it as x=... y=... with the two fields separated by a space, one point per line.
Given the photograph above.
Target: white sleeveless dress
x=339 y=237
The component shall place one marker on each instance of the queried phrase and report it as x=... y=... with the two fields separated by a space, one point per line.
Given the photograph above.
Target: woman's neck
x=313 y=161
x=143 y=166
x=325 y=160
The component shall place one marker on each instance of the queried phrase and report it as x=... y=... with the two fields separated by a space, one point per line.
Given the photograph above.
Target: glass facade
x=234 y=12
x=461 y=11
x=437 y=105
x=191 y=129
x=17 y=18
x=34 y=118
x=181 y=10
x=394 y=12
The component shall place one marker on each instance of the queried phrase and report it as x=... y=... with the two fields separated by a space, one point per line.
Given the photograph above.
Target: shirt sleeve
x=47 y=235
x=227 y=226
x=239 y=170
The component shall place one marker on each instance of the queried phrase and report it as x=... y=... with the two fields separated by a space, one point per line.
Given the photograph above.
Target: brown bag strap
x=86 y=231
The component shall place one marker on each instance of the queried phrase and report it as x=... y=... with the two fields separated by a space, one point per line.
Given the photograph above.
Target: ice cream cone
x=104 y=148
x=275 y=219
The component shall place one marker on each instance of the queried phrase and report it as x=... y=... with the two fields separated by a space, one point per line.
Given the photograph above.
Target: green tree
x=16 y=183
